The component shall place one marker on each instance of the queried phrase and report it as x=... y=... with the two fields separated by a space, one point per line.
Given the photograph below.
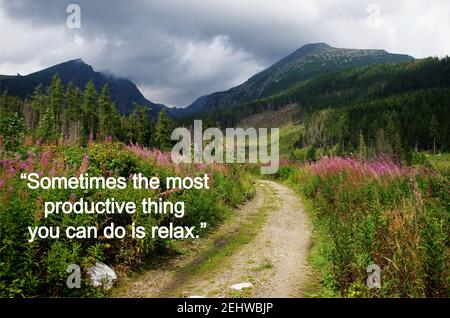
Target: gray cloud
x=178 y=50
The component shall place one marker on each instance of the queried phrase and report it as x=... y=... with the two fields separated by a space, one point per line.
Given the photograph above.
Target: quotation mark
x=202 y=226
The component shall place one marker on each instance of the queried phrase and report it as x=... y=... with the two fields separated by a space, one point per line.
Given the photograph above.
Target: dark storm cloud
x=178 y=50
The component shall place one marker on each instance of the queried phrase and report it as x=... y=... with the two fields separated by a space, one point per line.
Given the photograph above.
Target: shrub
x=299 y=155
x=39 y=268
x=380 y=213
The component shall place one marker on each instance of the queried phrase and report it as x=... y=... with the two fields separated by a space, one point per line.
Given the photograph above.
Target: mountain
x=304 y=63
x=195 y=108
x=123 y=91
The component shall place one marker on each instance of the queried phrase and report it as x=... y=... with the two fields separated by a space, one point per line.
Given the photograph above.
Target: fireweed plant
x=39 y=268
x=377 y=212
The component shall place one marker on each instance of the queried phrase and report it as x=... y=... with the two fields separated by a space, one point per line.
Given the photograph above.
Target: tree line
x=394 y=106
x=390 y=126
x=77 y=115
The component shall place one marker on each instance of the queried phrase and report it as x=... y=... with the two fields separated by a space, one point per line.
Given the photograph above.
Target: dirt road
x=265 y=245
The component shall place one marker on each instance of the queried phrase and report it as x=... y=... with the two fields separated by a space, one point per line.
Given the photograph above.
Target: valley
x=361 y=179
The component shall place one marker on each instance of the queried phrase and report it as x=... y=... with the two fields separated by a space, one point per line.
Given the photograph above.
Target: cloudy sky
x=178 y=50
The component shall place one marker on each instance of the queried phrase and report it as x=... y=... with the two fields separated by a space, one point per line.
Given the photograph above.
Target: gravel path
x=274 y=262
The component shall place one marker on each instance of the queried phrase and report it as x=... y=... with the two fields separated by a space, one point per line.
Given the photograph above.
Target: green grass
x=441 y=162
x=289 y=136
x=265 y=265
x=285 y=120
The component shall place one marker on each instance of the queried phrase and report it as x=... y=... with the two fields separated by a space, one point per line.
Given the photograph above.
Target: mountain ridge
x=123 y=91
x=304 y=63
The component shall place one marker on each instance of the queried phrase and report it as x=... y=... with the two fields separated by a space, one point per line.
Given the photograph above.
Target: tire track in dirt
x=274 y=260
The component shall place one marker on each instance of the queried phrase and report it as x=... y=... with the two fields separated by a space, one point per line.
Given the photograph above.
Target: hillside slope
x=304 y=63
x=123 y=91
x=409 y=101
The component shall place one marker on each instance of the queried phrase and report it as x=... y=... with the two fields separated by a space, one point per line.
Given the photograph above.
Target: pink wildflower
x=84 y=165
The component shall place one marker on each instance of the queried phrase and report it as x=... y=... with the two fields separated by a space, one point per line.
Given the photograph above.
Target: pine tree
x=311 y=155
x=38 y=105
x=12 y=126
x=343 y=129
x=145 y=124
x=393 y=134
x=55 y=100
x=47 y=130
x=90 y=116
x=73 y=101
x=434 y=131
x=362 y=147
x=108 y=118
x=72 y=112
x=382 y=144
x=163 y=131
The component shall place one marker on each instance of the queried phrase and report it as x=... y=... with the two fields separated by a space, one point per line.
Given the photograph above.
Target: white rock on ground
x=102 y=275
x=241 y=286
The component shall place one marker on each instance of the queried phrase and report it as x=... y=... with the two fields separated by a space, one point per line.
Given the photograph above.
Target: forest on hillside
x=78 y=115
x=395 y=108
